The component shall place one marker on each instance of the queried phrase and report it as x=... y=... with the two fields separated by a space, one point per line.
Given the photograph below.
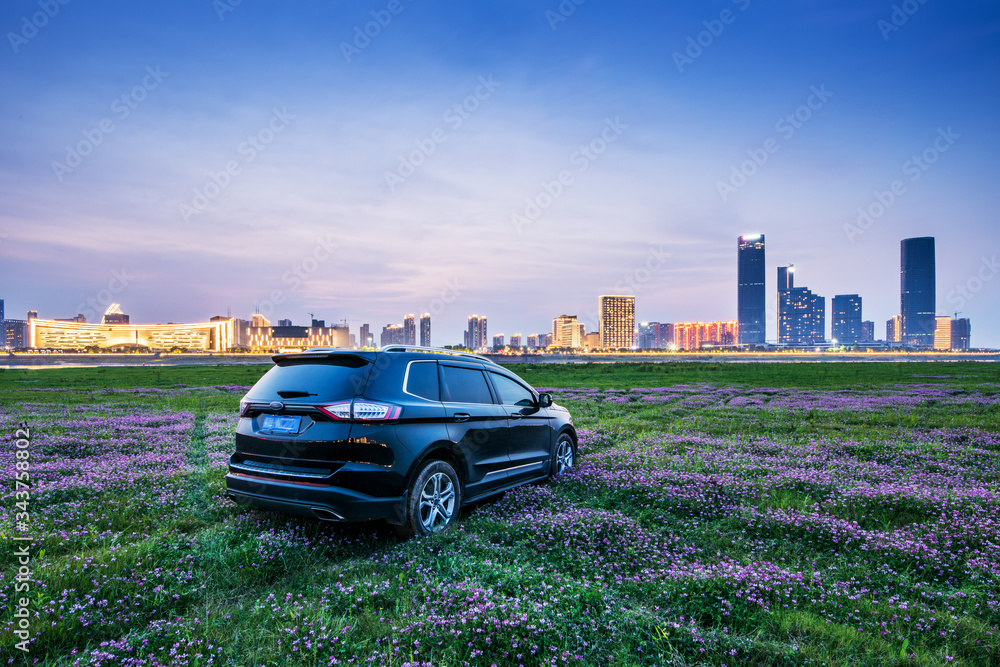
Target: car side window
x=512 y=393
x=422 y=380
x=464 y=385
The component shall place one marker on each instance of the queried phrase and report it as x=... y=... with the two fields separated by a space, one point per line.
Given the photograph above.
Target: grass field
x=721 y=514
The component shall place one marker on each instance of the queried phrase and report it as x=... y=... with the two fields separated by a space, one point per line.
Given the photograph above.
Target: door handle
x=461 y=417
x=516 y=415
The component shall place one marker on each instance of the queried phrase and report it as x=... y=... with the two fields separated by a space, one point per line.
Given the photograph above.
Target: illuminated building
x=592 y=341
x=259 y=321
x=292 y=337
x=894 y=329
x=425 y=330
x=15 y=334
x=61 y=335
x=961 y=332
x=867 y=332
x=114 y=315
x=409 y=330
x=532 y=341
x=693 y=335
x=498 y=342
x=475 y=335
x=646 y=338
x=750 y=296
x=801 y=314
x=668 y=337
x=845 y=315
x=545 y=340
x=566 y=332
x=617 y=322
x=365 y=336
x=393 y=334
x=515 y=341
x=917 y=290
x=942 y=333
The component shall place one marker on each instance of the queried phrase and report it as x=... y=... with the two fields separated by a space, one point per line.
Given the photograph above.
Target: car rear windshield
x=308 y=381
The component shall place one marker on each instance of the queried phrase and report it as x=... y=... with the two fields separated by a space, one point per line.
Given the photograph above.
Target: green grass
x=243 y=587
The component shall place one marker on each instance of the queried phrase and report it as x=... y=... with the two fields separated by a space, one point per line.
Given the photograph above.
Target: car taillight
x=340 y=411
x=363 y=411
x=367 y=411
x=244 y=404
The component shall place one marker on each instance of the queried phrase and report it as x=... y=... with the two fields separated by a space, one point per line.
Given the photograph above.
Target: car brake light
x=339 y=411
x=367 y=411
x=363 y=411
x=244 y=404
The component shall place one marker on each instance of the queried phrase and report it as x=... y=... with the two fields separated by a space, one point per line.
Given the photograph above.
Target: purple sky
x=306 y=125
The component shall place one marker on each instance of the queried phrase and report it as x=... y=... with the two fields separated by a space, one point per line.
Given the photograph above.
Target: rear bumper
x=320 y=501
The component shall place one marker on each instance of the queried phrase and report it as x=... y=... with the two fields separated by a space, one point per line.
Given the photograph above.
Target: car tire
x=563 y=457
x=434 y=500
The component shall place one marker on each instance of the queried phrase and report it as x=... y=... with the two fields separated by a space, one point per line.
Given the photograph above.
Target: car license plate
x=280 y=424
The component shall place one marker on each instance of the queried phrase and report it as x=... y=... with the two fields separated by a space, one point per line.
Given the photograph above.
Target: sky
x=366 y=160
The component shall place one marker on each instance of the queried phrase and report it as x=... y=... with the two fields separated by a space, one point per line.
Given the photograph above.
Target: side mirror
x=545 y=400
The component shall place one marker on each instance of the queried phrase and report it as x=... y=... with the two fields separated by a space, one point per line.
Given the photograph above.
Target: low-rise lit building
x=215 y=336
x=942 y=332
x=265 y=339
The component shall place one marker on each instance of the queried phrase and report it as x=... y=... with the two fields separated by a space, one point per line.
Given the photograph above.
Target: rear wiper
x=289 y=393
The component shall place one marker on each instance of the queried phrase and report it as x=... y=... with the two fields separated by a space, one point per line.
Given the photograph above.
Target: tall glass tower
x=750 y=307
x=917 y=291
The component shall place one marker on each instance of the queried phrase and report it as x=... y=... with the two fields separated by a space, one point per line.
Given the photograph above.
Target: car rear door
x=529 y=439
x=477 y=424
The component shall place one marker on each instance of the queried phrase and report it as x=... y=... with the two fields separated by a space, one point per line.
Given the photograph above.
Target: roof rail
x=438 y=350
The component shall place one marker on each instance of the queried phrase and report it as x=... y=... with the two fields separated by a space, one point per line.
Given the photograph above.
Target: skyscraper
x=498 y=342
x=425 y=330
x=801 y=314
x=364 y=336
x=409 y=330
x=917 y=291
x=475 y=335
x=515 y=341
x=750 y=295
x=846 y=319
x=617 y=322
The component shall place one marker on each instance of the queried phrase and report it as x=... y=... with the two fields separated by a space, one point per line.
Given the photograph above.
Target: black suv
x=404 y=434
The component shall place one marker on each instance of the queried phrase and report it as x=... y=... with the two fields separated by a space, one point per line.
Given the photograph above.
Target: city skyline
x=503 y=158
x=801 y=315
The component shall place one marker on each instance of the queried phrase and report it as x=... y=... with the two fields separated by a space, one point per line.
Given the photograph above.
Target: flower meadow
x=705 y=523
